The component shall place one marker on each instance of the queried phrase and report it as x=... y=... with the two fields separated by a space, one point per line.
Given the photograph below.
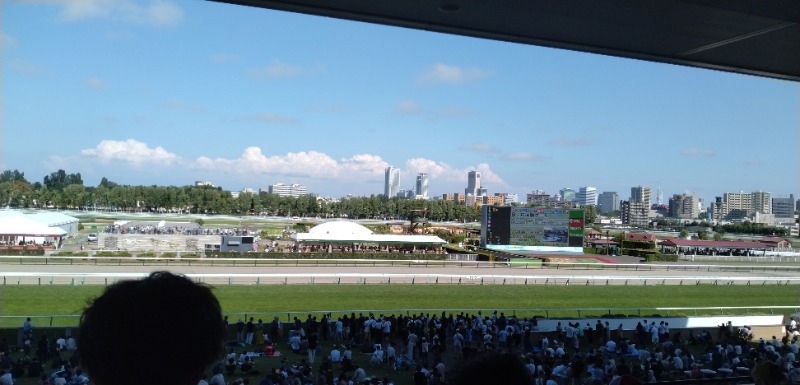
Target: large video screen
x=531 y=226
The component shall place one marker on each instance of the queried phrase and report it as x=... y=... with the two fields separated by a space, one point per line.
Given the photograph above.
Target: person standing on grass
x=160 y=354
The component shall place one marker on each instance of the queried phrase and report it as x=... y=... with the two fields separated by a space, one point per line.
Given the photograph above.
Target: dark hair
x=497 y=368
x=130 y=334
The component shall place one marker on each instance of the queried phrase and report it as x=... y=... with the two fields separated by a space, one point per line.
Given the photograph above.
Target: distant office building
x=392 y=182
x=491 y=200
x=586 y=196
x=634 y=213
x=736 y=206
x=659 y=196
x=422 y=185
x=684 y=206
x=453 y=197
x=538 y=198
x=482 y=191
x=762 y=202
x=567 y=194
x=200 y=183
x=783 y=207
x=473 y=183
x=511 y=199
x=607 y=202
x=641 y=194
x=286 y=190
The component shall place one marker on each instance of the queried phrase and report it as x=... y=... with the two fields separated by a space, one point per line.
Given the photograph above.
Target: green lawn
x=45 y=300
x=19 y=300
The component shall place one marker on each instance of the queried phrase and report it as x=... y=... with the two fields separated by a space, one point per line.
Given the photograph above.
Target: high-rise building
x=684 y=206
x=586 y=196
x=762 y=202
x=607 y=202
x=641 y=194
x=422 y=185
x=538 y=198
x=392 y=182
x=634 y=213
x=733 y=206
x=473 y=183
x=567 y=194
x=783 y=207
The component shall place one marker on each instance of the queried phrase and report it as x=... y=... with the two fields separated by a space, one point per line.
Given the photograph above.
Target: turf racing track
x=358 y=274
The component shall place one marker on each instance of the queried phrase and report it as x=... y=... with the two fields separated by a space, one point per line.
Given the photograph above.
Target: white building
x=391 y=185
x=285 y=190
x=586 y=196
x=422 y=185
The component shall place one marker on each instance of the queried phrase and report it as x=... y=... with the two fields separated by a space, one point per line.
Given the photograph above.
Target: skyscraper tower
x=392 y=184
x=660 y=197
x=422 y=185
x=641 y=194
x=473 y=182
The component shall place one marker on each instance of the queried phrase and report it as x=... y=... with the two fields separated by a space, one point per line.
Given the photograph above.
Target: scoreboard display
x=531 y=226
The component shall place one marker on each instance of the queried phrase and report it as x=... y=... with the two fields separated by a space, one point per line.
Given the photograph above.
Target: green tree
x=684 y=233
x=702 y=235
x=717 y=236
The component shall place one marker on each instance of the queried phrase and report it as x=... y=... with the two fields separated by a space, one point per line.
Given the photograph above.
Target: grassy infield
x=16 y=300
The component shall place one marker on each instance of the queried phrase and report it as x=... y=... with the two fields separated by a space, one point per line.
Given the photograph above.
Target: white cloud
x=181 y=106
x=445 y=74
x=275 y=70
x=156 y=12
x=224 y=58
x=273 y=119
x=444 y=172
x=524 y=155
x=479 y=147
x=574 y=142
x=6 y=41
x=130 y=151
x=95 y=83
x=697 y=151
x=409 y=107
x=308 y=163
x=27 y=67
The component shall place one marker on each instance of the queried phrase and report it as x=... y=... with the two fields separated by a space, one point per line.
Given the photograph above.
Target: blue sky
x=167 y=93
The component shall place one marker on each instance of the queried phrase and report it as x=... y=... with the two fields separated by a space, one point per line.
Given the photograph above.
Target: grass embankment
x=46 y=300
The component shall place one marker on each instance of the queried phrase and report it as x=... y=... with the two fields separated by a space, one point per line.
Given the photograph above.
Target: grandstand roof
x=340 y=231
x=53 y=218
x=23 y=226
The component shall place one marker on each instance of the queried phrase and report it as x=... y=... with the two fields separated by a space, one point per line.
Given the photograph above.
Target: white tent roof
x=24 y=226
x=51 y=218
x=351 y=232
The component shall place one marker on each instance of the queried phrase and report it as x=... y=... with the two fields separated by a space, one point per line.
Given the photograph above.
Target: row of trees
x=61 y=190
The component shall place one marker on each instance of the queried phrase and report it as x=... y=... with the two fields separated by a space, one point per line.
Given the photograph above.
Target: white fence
x=105 y=278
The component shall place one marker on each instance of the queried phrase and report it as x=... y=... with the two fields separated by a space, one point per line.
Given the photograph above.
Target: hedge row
x=658 y=257
x=23 y=251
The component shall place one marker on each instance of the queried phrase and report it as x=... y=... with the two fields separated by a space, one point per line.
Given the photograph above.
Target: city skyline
x=166 y=93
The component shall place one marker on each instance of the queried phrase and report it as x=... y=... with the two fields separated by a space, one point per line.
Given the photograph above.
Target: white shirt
x=217 y=379
x=336 y=355
x=6 y=379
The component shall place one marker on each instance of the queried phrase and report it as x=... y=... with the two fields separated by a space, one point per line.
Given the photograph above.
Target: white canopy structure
x=351 y=232
x=20 y=228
